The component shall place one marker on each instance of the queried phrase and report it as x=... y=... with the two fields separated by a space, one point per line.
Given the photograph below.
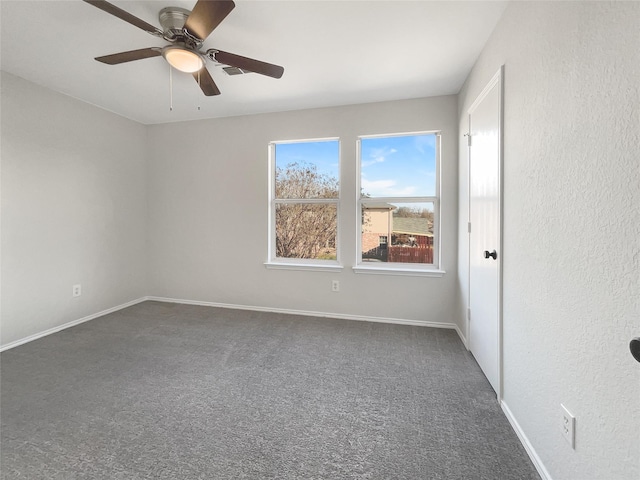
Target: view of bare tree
x=305 y=230
x=409 y=212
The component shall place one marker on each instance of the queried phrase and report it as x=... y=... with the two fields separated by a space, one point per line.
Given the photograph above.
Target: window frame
x=275 y=262
x=397 y=268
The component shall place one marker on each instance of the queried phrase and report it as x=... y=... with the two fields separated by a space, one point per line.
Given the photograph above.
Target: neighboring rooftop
x=412 y=226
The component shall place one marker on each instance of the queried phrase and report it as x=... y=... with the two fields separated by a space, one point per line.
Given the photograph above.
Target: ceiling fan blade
x=206 y=16
x=126 y=16
x=130 y=56
x=208 y=86
x=255 y=66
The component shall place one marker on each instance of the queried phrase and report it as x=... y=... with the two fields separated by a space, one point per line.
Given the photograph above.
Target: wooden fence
x=415 y=254
x=421 y=252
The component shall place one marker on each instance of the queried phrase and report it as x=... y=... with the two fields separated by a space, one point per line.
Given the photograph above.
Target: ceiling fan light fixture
x=183 y=59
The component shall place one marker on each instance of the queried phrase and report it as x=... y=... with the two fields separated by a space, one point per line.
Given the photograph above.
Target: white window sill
x=313 y=267
x=411 y=272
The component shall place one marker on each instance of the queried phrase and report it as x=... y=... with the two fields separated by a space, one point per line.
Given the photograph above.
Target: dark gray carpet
x=164 y=391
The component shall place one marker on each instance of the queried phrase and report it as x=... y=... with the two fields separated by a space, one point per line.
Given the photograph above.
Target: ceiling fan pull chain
x=199 y=84
x=170 y=89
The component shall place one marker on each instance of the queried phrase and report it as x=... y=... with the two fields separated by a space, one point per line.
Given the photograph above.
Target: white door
x=485 y=256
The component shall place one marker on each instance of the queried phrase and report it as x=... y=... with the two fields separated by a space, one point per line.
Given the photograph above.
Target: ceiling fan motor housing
x=173 y=19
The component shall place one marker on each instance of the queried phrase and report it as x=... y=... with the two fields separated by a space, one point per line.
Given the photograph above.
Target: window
x=304 y=208
x=399 y=202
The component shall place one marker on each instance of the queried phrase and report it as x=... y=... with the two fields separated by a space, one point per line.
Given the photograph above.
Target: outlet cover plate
x=568 y=426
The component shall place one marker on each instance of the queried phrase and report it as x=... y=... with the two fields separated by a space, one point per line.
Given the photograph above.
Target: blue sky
x=325 y=155
x=402 y=166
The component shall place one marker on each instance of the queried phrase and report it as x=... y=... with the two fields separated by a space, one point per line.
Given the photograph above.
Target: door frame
x=497 y=79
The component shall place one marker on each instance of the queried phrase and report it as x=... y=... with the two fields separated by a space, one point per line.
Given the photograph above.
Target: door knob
x=634 y=346
x=492 y=254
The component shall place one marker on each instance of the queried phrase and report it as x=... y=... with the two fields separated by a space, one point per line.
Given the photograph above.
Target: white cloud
x=377 y=184
x=368 y=163
x=378 y=155
x=386 y=188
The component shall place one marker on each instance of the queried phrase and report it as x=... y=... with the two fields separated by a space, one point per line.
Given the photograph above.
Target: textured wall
x=571 y=228
x=208 y=212
x=73 y=209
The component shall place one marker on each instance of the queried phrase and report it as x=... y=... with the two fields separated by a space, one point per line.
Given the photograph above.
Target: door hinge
x=469 y=314
x=468 y=227
x=468 y=135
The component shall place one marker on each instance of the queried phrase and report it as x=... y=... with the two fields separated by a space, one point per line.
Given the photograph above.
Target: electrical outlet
x=77 y=290
x=568 y=426
x=335 y=286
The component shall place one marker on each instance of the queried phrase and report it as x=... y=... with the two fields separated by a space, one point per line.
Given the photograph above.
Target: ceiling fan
x=186 y=31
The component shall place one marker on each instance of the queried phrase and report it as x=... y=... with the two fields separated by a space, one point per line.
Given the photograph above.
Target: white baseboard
x=73 y=323
x=462 y=337
x=343 y=316
x=533 y=455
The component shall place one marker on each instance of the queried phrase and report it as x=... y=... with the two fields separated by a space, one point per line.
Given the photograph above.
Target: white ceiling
x=333 y=52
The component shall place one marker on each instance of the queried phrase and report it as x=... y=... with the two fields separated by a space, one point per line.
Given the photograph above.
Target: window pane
x=307 y=169
x=397 y=232
x=306 y=231
x=400 y=166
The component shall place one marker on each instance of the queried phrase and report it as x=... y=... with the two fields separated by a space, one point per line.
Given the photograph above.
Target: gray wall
x=73 y=209
x=571 y=228
x=208 y=197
